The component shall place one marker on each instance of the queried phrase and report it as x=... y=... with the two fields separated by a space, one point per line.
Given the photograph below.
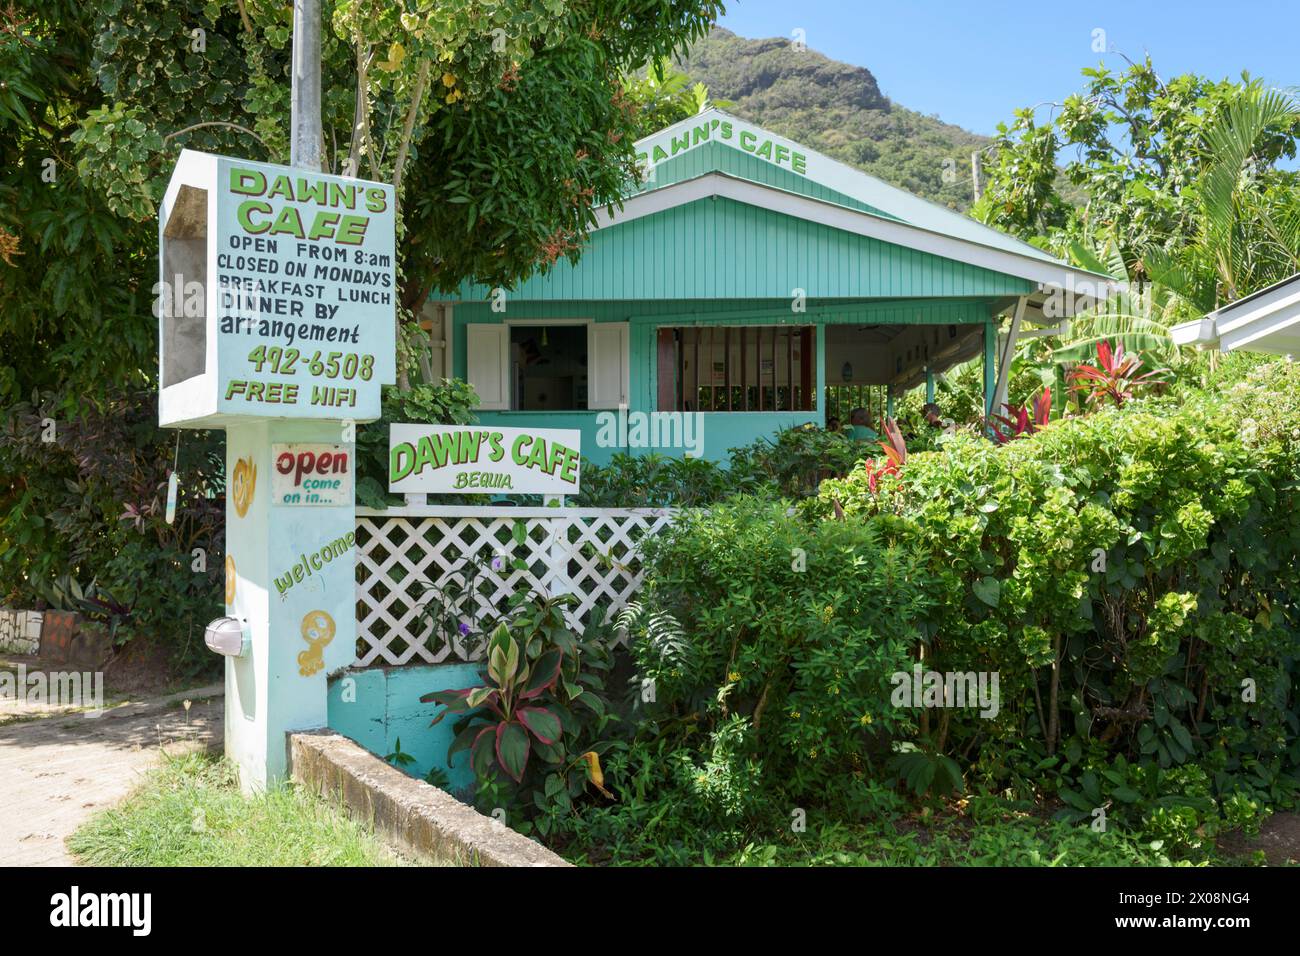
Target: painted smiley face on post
x=243 y=482
x=317 y=630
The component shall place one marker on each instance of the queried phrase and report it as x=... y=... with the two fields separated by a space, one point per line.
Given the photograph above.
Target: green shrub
x=88 y=505
x=798 y=459
x=1131 y=577
x=791 y=464
x=793 y=626
x=655 y=481
x=1127 y=575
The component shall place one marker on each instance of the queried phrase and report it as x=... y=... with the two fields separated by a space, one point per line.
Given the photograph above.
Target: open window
x=744 y=368
x=560 y=367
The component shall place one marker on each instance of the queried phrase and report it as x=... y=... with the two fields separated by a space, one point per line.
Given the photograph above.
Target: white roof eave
x=1046 y=273
x=1202 y=332
x=1263 y=322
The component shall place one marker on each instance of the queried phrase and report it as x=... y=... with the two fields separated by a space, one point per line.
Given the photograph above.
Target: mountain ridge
x=837 y=109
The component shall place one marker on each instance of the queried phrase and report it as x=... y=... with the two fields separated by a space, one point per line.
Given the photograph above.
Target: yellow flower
x=733 y=677
x=864 y=719
x=448 y=79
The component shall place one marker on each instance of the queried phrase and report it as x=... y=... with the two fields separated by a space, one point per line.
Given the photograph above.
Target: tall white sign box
x=276 y=324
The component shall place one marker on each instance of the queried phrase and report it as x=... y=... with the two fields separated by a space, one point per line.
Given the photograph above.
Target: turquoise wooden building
x=742 y=278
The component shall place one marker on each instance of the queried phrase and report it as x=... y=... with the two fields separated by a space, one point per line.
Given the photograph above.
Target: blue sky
x=972 y=63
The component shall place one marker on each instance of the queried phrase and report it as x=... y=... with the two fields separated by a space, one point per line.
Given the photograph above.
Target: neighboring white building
x=1264 y=321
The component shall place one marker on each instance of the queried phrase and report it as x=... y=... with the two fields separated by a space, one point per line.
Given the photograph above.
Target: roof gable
x=713 y=126
x=715 y=157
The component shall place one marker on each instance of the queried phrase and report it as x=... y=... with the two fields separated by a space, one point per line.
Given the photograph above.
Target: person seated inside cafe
x=859 y=428
x=932 y=415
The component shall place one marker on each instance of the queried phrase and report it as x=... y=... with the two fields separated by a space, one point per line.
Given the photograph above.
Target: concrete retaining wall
x=20 y=631
x=420 y=820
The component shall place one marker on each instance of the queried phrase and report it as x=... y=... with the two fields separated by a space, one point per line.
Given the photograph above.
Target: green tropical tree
x=665 y=95
x=504 y=123
x=1137 y=315
x=1125 y=157
x=1245 y=215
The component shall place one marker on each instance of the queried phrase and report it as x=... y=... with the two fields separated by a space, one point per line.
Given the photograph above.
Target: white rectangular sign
x=305 y=290
x=480 y=459
x=311 y=474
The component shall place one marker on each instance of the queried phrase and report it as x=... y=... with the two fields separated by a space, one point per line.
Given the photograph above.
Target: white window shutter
x=607 y=364
x=487 y=363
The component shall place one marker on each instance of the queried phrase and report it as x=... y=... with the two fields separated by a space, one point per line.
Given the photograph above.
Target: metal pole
x=305 y=121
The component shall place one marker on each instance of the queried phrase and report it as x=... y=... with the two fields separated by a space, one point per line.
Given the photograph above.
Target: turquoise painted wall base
x=720 y=431
x=381 y=705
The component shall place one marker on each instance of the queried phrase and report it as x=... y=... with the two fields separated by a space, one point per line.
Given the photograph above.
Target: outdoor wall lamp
x=228 y=636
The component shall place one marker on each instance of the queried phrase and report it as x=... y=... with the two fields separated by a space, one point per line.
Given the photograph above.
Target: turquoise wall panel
x=723 y=249
x=720 y=431
x=726 y=430
x=383 y=704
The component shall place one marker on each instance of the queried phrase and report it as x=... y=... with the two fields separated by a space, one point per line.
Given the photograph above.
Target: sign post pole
x=276 y=325
x=292 y=575
x=281 y=685
x=305 y=120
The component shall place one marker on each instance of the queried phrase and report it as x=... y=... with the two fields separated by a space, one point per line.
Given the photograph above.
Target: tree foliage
x=1181 y=174
x=506 y=123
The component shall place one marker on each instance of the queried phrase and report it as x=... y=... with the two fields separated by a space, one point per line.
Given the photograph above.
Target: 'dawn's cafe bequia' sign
x=468 y=459
x=276 y=321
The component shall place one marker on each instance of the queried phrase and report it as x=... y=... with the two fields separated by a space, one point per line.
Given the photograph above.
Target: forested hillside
x=838 y=109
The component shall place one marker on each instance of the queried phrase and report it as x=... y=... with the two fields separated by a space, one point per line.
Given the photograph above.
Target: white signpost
x=276 y=324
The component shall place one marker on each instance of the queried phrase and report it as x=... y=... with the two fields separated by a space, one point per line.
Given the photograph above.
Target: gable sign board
x=718 y=127
x=474 y=459
x=276 y=295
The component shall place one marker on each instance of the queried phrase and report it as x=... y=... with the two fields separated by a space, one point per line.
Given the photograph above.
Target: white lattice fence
x=416 y=562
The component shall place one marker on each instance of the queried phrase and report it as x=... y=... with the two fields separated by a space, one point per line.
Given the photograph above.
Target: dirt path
x=55 y=772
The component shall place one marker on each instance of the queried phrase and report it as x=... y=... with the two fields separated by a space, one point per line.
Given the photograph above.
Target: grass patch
x=1014 y=843
x=190 y=812
x=977 y=830
x=996 y=833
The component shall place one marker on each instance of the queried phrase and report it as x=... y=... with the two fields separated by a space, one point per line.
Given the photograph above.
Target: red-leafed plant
x=1116 y=376
x=1021 y=421
x=509 y=714
x=895 y=449
x=541 y=697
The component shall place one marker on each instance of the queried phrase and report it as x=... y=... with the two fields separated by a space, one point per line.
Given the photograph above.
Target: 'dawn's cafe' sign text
x=466 y=459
